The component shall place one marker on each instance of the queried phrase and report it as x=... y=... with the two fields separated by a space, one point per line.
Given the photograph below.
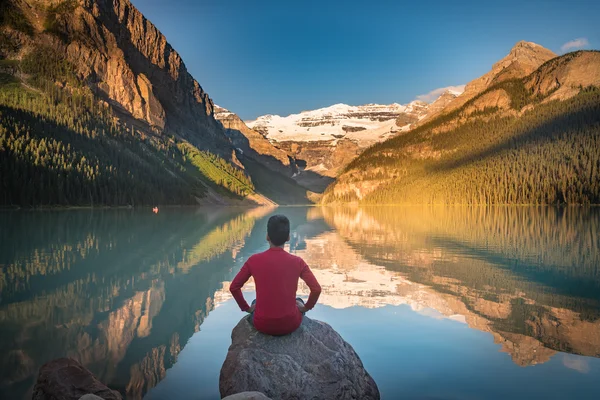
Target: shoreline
x=250 y=206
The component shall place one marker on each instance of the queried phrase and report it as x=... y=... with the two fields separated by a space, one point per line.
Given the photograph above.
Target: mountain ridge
x=518 y=124
x=523 y=58
x=325 y=140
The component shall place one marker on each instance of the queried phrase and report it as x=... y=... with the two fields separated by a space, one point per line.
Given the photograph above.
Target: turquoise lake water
x=439 y=303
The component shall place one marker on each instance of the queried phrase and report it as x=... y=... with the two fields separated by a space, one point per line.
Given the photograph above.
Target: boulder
x=66 y=379
x=314 y=362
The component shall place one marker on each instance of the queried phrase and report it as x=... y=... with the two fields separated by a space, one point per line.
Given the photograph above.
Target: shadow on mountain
x=586 y=115
x=277 y=187
x=309 y=180
x=313 y=180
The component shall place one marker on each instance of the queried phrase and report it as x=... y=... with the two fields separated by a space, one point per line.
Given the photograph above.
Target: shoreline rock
x=314 y=362
x=66 y=379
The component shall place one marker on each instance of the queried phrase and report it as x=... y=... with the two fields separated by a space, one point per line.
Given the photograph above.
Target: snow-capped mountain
x=324 y=141
x=364 y=124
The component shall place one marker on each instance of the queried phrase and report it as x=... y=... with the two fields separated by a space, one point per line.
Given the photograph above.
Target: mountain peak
x=526 y=44
x=528 y=53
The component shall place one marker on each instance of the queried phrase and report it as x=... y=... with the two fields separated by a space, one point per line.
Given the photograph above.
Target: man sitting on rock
x=276 y=311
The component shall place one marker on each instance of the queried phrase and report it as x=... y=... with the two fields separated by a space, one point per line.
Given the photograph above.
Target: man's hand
x=251 y=309
x=301 y=307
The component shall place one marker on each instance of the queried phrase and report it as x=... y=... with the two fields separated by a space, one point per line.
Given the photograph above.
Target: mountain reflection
x=123 y=291
x=530 y=276
x=119 y=291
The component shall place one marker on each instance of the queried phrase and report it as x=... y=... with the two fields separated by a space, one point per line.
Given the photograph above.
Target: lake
x=439 y=302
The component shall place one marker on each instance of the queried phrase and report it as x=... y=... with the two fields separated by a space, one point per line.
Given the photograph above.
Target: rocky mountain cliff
x=126 y=60
x=107 y=65
x=253 y=144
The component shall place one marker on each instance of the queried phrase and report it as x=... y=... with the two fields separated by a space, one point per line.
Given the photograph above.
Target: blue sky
x=282 y=57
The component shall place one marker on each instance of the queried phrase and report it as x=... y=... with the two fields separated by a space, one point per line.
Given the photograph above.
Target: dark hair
x=278 y=229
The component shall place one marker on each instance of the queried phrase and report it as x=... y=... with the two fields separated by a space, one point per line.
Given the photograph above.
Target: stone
x=66 y=379
x=247 y=396
x=90 y=396
x=314 y=362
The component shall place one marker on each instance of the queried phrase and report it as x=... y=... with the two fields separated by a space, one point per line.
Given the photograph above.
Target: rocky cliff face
x=253 y=144
x=562 y=78
x=125 y=59
x=441 y=102
x=117 y=58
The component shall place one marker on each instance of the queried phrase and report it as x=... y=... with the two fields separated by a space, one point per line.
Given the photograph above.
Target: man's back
x=276 y=274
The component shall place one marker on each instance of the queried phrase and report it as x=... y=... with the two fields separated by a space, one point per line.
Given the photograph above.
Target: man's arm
x=236 y=286
x=315 y=289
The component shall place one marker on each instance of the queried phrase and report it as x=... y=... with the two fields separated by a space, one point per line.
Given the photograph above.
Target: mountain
x=271 y=168
x=529 y=136
x=523 y=59
x=96 y=108
x=252 y=144
x=325 y=140
x=447 y=97
x=365 y=124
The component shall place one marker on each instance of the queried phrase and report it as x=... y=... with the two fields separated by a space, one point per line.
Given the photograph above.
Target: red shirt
x=276 y=274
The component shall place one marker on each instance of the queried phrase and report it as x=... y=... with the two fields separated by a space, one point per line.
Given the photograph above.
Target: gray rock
x=90 y=396
x=314 y=362
x=247 y=396
x=66 y=379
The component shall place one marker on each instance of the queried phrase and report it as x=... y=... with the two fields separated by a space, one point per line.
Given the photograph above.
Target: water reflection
x=115 y=290
x=122 y=291
x=531 y=276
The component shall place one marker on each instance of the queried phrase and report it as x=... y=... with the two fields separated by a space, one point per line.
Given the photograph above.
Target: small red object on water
x=155 y=210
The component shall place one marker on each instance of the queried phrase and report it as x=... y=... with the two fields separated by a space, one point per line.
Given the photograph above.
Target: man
x=277 y=311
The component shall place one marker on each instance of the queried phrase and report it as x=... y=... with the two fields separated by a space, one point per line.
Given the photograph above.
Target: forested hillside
x=62 y=147
x=511 y=144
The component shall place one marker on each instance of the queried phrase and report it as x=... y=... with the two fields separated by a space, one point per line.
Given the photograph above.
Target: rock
x=563 y=77
x=66 y=379
x=314 y=362
x=90 y=397
x=247 y=396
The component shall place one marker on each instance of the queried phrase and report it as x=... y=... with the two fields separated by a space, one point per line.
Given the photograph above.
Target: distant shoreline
x=68 y=208
x=353 y=205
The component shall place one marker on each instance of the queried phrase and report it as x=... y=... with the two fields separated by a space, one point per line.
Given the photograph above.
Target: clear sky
x=282 y=57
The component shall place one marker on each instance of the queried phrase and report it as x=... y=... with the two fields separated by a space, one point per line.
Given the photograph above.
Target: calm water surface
x=444 y=303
